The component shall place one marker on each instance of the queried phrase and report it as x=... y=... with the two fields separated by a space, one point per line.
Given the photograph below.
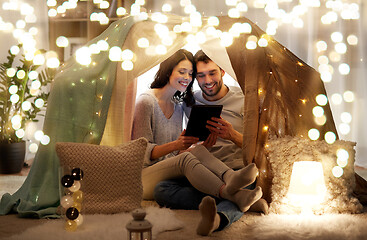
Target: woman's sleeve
x=142 y=125
x=143 y=119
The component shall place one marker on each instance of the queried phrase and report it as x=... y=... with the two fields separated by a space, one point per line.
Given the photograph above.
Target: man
x=179 y=194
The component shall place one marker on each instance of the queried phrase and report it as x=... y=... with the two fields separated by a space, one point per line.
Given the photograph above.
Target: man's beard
x=214 y=91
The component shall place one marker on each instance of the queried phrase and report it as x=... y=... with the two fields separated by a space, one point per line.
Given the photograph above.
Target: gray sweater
x=151 y=123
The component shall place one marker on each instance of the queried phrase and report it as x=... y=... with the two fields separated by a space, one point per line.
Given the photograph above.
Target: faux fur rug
x=10 y=183
x=300 y=227
x=100 y=227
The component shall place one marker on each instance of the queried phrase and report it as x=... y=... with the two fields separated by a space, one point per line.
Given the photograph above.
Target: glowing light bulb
x=21 y=74
x=26 y=106
x=330 y=137
x=35 y=84
x=161 y=49
x=20 y=133
x=39 y=59
x=234 y=13
x=127 y=65
x=242 y=7
x=83 y=56
x=120 y=11
x=318 y=111
x=104 y=5
x=53 y=63
x=336 y=37
x=337 y=171
x=352 y=39
x=143 y=43
x=16 y=119
x=251 y=42
x=320 y=120
x=226 y=39
x=10 y=72
x=102 y=45
x=62 y=41
x=341 y=48
x=13 y=89
x=213 y=21
x=127 y=54
x=14 y=50
x=344 y=69
x=344 y=128
x=313 y=134
x=32 y=75
x=346 y=117
x=115 y=53
x=262 y=42
x=39 y=102
x=326 y=76
x=348 y=96
x=321 y=99
x=167 y=7
x=336 y=99
x=14 y=98
x=321 y=46
x=45 y=140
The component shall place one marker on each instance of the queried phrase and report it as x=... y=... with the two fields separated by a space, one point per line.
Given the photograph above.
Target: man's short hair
x=200 y=56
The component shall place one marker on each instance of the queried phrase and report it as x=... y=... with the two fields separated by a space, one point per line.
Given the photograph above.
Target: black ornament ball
x=72 y=213
x=77 y=174
x=67 y=181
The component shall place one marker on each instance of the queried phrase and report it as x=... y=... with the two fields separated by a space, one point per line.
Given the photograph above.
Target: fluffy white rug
x=100 y=227
x=300 y=227
x=10 y=183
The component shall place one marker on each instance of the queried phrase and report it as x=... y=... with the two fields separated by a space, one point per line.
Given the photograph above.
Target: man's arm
x=225 y=130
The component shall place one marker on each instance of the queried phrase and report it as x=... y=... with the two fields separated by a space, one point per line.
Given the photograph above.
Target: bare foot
x=210 y=220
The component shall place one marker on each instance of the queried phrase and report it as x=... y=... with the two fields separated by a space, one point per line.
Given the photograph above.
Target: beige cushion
x=283 y=152
x=112 y=175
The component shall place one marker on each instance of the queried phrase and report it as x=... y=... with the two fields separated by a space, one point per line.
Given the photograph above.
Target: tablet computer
x=196 y=125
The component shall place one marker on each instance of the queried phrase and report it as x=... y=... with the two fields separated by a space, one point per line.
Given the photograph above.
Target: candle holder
x=139 y=228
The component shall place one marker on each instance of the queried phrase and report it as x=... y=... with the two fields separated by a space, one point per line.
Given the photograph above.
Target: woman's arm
x=182 y=143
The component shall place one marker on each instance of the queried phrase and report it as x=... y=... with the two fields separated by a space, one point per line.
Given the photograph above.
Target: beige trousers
x=199 y=166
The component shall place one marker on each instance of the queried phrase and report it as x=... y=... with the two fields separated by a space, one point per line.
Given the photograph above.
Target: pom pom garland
x=72 y=199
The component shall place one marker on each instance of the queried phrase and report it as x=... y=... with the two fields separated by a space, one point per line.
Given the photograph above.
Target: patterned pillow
x=283 y=152
x=112 y=175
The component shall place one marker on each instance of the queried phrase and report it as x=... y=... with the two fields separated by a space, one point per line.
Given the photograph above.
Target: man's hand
x=210 y=141
x=184 y=142
x=225 y=130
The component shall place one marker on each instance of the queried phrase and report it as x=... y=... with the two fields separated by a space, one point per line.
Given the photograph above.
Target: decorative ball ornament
x=72 y=213
x=72 y=199
x=139 y=228
x=77 y=174
x=67 y=181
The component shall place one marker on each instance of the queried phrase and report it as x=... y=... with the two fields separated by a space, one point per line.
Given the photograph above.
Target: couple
x=179 y=171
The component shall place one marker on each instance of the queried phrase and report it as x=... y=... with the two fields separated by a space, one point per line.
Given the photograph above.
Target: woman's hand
x=184 y=142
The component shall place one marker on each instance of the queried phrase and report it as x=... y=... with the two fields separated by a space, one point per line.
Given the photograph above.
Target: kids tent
x=95 y=103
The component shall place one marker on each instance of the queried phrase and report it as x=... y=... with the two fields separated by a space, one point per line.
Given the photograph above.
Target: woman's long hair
x=165 y=70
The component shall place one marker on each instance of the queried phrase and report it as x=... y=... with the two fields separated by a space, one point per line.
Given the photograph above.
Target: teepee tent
x=94 y=103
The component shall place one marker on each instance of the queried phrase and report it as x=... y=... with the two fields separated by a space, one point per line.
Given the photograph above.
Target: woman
x=158 y=118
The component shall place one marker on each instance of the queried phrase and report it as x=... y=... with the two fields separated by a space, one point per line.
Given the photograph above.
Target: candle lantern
x=139 y=228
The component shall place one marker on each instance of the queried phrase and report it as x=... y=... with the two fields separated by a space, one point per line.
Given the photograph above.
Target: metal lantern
x=139 y=228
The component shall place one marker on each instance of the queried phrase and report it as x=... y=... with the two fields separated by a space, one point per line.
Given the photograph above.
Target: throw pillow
x=112 y=175
x=283 y=152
